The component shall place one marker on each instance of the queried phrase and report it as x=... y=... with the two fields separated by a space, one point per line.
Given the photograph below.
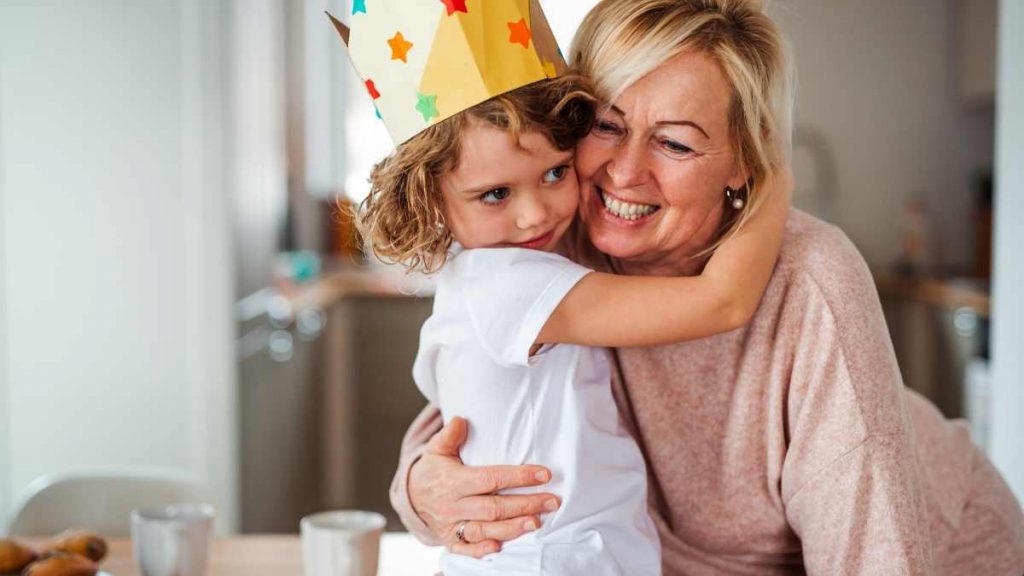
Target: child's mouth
x=625 y=210
x=537 y=242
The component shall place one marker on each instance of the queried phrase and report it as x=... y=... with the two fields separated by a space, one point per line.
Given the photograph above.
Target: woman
x=787 y=446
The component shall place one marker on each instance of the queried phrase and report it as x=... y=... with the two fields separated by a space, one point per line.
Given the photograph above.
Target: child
x=486 y=197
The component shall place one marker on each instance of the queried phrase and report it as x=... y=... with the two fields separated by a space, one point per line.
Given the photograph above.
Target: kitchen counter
x=948 y=294
x=355 y=280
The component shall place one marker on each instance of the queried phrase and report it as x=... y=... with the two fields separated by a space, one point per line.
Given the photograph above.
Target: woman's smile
x=622 y=210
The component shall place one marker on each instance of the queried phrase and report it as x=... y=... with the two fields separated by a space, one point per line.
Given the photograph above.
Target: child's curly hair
x=403 y=217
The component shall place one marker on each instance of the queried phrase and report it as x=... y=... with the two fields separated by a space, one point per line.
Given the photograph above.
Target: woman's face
x=654 y=169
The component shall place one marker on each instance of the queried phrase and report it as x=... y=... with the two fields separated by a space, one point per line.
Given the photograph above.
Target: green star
x=427 y=106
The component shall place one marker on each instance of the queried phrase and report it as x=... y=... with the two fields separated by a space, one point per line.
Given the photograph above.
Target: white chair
x=100 y=501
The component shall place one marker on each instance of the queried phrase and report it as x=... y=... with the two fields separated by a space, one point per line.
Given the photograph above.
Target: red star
x=454 y=6
x=520 y=33
x=372 y=90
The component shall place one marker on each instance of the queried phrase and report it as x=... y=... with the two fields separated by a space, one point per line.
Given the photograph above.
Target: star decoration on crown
x=462 y=56
x=400 y=47
x=427 y=106
x=372 y=89
x=519 y=33
x=454 y=6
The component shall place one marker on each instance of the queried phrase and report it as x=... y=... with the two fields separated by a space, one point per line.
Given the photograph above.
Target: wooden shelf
x=350 y=280
x=944 y=293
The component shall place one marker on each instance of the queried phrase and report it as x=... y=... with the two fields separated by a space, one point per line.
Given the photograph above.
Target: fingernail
x=551 y=504
x=541 y=476
x=529 y=525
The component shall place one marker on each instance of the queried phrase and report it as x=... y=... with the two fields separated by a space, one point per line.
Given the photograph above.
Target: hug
x=641 y=359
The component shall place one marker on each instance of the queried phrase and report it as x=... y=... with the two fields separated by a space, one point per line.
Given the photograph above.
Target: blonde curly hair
x=403 y=218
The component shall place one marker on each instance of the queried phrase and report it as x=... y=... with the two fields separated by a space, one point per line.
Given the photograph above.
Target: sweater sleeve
x=850 y=484
x=416 y=437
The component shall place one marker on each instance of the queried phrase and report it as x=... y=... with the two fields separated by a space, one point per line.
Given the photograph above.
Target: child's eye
x=556 y=174
x=607 y=128
x=495 y=196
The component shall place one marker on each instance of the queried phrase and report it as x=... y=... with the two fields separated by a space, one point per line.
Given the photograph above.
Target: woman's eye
x=606 y=127
x=495 y=196
x=676 y=147
x=555 y=174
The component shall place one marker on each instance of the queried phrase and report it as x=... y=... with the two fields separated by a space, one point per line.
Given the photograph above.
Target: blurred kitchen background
x=179 y=293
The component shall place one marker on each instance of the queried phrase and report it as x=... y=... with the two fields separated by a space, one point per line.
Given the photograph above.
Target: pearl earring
x=736 y=197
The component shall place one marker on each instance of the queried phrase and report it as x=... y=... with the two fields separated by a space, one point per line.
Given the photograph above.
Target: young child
x=486 y=197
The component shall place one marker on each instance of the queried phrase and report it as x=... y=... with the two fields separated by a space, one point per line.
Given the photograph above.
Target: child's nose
x=532 y=212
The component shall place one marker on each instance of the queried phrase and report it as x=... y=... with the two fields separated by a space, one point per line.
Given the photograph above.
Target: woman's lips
x=620 y=211
x=536 y=243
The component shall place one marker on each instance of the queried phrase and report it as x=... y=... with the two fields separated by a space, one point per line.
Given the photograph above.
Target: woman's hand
x=445 y=493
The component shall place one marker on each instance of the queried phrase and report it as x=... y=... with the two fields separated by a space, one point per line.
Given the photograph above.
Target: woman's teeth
x=625 y=210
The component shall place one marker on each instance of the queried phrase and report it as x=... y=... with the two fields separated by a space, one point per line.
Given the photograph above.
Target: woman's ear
x=740 y=177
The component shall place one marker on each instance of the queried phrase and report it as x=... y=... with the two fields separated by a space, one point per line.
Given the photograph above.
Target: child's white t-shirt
x=553 y=409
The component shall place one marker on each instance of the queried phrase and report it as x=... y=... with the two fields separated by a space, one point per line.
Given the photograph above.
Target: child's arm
x=621 y=311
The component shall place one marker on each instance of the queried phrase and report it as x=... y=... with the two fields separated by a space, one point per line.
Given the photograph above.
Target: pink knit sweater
x=790 y=446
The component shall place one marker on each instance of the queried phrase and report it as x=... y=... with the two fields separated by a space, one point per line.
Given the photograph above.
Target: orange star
x=520 y=33
x=399 y=47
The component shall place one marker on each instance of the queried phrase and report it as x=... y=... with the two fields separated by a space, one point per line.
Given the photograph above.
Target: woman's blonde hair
x=621 y=41
x=403 y=217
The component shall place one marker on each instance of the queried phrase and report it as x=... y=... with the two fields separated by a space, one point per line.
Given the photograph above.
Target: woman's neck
x=684 y=266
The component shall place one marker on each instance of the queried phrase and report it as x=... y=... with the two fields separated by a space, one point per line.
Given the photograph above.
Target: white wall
x=1008 y=314
x=5 y=430
x=117 y=284
x=877 y=81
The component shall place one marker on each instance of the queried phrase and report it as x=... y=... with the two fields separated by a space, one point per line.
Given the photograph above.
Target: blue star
x=359 y=6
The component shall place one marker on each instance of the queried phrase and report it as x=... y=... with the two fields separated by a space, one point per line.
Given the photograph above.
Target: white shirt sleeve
x=510 y=293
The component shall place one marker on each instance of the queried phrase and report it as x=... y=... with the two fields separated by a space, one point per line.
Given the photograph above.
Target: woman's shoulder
x=818 y=260
x=812 y=245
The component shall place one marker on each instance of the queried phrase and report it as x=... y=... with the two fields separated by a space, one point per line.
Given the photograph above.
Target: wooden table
x=400 y=555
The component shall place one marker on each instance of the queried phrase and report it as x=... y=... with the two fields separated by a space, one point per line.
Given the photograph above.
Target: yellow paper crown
x=426 y=60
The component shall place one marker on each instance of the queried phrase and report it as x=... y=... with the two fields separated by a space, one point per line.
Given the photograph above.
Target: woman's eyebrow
x=689 y=123
x=683 y=123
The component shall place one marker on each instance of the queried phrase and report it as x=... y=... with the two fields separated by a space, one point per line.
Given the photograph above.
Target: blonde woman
x=788 y=446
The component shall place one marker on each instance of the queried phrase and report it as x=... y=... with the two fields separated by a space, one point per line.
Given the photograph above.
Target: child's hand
x=447 y=494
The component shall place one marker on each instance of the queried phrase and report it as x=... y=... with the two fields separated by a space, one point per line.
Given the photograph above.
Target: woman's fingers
x=502 y=531
x=449 y=439
x=488 y=479
x=498 y=508
x=476 y=549
x=446 y=494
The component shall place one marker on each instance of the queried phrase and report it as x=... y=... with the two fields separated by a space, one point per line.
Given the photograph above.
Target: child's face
x=502 y=195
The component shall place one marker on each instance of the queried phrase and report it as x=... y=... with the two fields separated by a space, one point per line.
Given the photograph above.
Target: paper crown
x=423 y=61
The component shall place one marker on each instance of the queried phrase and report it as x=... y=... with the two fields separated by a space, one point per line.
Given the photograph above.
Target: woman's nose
x=627 y=166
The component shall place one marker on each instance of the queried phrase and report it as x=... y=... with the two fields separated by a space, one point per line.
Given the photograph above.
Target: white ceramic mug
x=341 y=543
x=172 y=540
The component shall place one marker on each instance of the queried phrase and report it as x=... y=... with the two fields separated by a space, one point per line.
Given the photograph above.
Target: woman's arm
x=615 y=310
